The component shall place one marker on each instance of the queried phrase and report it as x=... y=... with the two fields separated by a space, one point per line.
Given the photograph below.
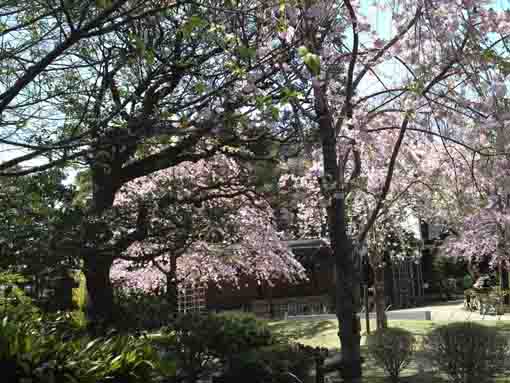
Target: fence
x=283 y=307
x=191 y=300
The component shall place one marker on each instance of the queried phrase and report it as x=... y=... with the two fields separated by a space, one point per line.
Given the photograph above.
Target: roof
x=307 y=244
x=310 y=251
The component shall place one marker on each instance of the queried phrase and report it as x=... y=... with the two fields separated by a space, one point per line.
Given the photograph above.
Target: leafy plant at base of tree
x=14 y=303
x=467 y=352
x=119 y=359
x=49 y=349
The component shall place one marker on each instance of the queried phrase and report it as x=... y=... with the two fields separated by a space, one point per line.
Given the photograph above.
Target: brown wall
x=319 y=282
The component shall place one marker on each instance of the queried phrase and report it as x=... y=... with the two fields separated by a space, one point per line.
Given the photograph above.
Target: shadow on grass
x=301 y=329
x=503 y=326
x=423 y=377
x=418 y=378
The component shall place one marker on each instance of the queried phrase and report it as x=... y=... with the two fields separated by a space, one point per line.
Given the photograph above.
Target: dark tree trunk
x=97 y=263
x=348 y=296
x=380 y=297
x=505 y=284
x=100 y=304
x=348 y=283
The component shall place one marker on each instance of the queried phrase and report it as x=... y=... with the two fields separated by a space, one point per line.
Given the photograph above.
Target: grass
x=324 y=333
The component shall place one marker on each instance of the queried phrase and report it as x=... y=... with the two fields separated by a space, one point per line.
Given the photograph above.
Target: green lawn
x=323 y=333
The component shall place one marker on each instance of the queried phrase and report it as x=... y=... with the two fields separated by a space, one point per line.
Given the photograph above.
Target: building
x=403 y=287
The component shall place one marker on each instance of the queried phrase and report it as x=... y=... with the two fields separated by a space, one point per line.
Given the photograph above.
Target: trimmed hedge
x=392 y=349
x=467 y=352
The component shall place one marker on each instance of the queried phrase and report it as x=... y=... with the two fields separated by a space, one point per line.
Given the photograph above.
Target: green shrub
x=28 y=352
x=198 y=342
x=25 y=355
x=392 y=349
x=66 y=324
x=190 y=341
x=117 y=359
x=235 y=333
x=138 y=310
x=281 y=363
x=14 y=303
x=467 y=352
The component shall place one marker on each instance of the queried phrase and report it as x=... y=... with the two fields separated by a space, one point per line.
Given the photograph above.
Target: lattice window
x=192 y=300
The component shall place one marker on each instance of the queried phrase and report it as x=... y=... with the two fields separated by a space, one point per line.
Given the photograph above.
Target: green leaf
x=488 y=54
x=200 y=88
x=194 y=22
x=235 y=68
x=302 y=51
x=313 y=63
x=103 y=4
x=504 y=67
x=416 y=87
x=247 y=52
x=289 y=94
x=282 y=6
x=275 y=113
x=150 y=56
x=139 y=46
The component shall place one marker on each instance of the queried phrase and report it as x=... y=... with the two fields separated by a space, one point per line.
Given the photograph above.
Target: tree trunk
x=349 y=327
x=504 y=284
x=100 y=303
x=348 y=297
x=97 y=263
x=367 y=309
x=380 y=298
x=348 y=284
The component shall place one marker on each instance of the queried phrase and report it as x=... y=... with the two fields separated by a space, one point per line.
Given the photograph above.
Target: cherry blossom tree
x=413 y=180
x=149 y=92
x=203 y=78
x=208 y=225
x=347 y=98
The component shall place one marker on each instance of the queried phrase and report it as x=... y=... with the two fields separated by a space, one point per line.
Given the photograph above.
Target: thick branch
x=387 y=182
x=36 y=69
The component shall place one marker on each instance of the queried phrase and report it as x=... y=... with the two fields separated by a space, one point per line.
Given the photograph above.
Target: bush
x=235 y=333
x=120 y=359
x=65 y=324
x=189 y=341
x=14 y=303
x=197 y=342
x=280 y=363
x=28 y=352
x=467 y=352
x=138 y=310
x=21 y=350
x=392 y=349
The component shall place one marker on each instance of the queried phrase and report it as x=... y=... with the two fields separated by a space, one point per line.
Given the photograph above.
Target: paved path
x=452 y=311
x=449 y=311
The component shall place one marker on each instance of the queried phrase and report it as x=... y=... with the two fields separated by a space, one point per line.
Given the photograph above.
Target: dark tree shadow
x=302 y=329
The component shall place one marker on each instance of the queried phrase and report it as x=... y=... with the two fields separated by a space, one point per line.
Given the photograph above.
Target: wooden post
x=367 y=312
x=503 y=283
